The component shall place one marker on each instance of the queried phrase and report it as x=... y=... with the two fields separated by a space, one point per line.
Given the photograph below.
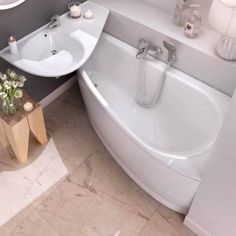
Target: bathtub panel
x=170 y=188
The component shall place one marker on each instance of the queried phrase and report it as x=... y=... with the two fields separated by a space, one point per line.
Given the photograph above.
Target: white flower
x=12 y=74
x=15 y=84
x=7 y=84
x=18 y=93
x=3 y=95
x=22 y=78
x=3 y=77
x=20 y=84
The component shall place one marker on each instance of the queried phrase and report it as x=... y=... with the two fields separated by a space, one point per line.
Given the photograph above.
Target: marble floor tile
x=16 y=221
x=73 y=209
x=68 y=124
x=34 y=225
x=20 y=187
x=104 y=177
x=166 y=222
x=173 y=218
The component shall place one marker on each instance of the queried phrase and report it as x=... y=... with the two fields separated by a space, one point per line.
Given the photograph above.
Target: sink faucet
x=171 y=51
x=146 y=49
x=55 y=22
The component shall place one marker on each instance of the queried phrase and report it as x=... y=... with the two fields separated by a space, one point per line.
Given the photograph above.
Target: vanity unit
x=62 y=49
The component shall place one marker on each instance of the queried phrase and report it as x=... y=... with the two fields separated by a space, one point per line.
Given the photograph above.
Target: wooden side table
x=15 y=130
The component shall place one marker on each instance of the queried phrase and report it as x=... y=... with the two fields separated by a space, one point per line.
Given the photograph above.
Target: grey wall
x=21 y=21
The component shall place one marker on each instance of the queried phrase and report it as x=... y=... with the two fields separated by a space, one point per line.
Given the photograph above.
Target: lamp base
x=226 y=48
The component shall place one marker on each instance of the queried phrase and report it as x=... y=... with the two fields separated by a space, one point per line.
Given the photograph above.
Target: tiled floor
x=97 y=198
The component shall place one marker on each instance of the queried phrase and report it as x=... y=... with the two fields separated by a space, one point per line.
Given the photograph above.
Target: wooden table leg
x=18 y=137
x=3 y=138
x=37 y=125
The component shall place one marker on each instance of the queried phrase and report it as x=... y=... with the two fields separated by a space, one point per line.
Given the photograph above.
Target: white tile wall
x=130 y=20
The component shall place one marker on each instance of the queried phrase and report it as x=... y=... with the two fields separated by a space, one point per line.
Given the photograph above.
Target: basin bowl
x=51 y=53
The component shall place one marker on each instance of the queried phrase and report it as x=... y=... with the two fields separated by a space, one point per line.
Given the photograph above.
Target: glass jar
x=9 y=107
x=75 y=9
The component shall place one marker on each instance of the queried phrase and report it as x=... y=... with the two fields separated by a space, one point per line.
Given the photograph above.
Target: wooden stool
x=15 y=130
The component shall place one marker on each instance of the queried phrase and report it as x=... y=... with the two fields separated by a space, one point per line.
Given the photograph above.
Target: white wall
x=131 y=20
x=169 y=5
x=213 y=211
x=163 y=4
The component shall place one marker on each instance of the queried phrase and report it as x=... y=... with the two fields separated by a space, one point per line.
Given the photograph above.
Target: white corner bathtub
x=165 y=148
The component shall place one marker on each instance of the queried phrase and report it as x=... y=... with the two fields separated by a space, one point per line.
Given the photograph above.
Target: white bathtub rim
x=131 y=135
x=219 y=105
x=172 y=156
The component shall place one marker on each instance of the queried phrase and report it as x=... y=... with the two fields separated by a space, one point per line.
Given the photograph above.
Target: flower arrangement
x=10 y=89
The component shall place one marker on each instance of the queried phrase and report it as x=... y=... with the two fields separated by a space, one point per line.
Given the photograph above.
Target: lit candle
x=75 y=11
x=28 y=106
x=88 y=14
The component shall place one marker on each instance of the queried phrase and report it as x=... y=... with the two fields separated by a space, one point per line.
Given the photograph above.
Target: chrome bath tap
x=55 y=22
x=146 y=49
x=171 y=48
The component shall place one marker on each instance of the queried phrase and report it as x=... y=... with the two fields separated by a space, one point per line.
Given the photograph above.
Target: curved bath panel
x=164 y=149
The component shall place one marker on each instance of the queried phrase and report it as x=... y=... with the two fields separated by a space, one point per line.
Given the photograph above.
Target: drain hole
x=54 y=52
x=95 y=85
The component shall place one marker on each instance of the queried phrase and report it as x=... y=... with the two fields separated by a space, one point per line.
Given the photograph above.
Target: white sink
x=62 y=50
x=50 y=54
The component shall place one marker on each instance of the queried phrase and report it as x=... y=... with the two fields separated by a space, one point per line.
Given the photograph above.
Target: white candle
x=75 y=10
x=88 y=14
x=13 y=45
x=28 y=106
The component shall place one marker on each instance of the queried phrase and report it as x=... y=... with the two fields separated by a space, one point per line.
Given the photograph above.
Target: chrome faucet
x=146 y=49
x=55 y=22
x=171 y=48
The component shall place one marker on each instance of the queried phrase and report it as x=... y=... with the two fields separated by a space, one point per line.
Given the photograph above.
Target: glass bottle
x=181 y=9
x=193 y=24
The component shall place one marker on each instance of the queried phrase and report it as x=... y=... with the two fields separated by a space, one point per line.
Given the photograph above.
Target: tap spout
x=55 y=22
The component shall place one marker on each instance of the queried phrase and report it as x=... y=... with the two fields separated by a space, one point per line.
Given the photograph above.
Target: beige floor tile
x=173 y=218
x=68 y=124
x=103 y=176
x=74 y=210
x=35 y=225
x=166 y=222
x=17 y=220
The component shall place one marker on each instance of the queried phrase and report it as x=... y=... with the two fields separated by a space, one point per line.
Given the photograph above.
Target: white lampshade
x=222 y=17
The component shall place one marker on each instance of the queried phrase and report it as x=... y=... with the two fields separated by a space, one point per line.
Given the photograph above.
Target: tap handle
x=171 y=48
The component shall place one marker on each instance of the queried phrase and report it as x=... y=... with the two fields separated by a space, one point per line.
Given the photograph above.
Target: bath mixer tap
x=146 y=49
x=171 y=48
x=55 y=22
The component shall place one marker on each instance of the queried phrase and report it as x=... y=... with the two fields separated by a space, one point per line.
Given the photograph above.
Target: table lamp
x=222 y=16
